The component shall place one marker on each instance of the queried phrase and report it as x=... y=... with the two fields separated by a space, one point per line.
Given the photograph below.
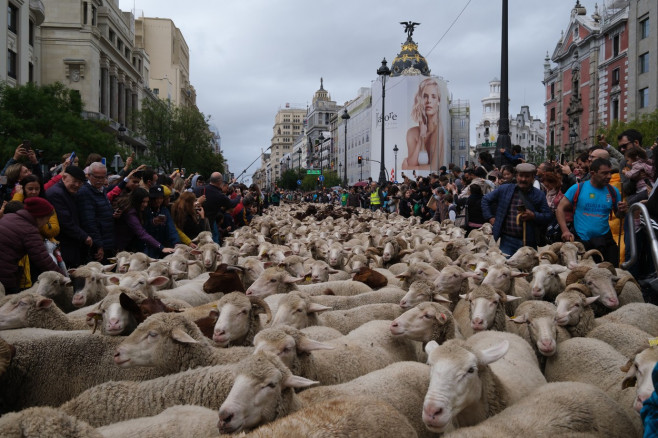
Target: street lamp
x=340 y=169
x=383 y=71
x=288 y=161
x=345 y=118
x=395 y=152
x=299 y=152
x=321 y=139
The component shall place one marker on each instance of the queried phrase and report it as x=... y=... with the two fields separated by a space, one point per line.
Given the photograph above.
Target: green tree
x=178 y=136
x=646 y=124
x=50 y=117
x=288 y=180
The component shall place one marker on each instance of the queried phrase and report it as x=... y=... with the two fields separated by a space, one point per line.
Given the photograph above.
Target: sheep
x=419 y=292
x=278 y=281
x=238 y=320
x=341 y=417
x=592 y=361
x=174 y=422
x=208 y=253
x=547 y=282
x=557 y=409
x=164 y=269
x=298 y=310
x=336 y=256
x=336 y=302
x=426 y=322
x=574 y=312
x=191 y=293
x=55 y=367
x=641 y=315
x=321 y=272
x=624 y=338
x=228 y=255
x=392 y=250
x=639 y=373
x=122 y=259
x=171 y=343
x=603 y=281
x=6 y=353
x=41 y=422
x=365 y=349
x=524 y=259
x=252 y=268
x=486 y=310
x=89 y=286
x=111 y=402
x=453 y=281
x=32 y=310
x=505 y=279
x=295 y=265
x=543 y=332
x=417 y=271
x=203 y=238
x=52 y=284
x=475 y=379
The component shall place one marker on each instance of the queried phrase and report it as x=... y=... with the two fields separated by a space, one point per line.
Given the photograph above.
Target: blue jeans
x=215 y=232
x=509 y=245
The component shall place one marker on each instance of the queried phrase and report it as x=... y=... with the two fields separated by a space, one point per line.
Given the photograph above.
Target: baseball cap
x=156 y=192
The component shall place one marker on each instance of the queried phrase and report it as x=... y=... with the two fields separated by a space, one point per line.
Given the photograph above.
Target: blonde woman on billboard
x=425 y=142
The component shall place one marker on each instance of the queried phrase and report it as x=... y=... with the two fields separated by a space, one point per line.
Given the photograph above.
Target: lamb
x=542 y=332
x=557 y=409
x=426 y=322
x=595 y=362
x=39 y=422
x=298 y=310
x=340 y=417
x=238 y=319
x=111 y=402
x=278 y=281
x=547 y=282
x=365 y=349
x=52 y=284
x=32 y=310
x=475 y=379
x=54 y=368
x=171 y=343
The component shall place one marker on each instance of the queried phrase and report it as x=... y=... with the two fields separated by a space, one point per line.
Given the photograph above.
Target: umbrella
x=361 y=184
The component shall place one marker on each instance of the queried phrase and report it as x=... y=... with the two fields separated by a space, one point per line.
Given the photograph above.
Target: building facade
x=288 y=125
x=169 y=74
x=359 y=127
x=20 y=36
x=460 y=132
x=318 y=123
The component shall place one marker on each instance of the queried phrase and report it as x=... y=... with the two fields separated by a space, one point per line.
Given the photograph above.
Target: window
x=614 y=109
x=462 y=123
x=644 y=28
x=156 y=91
x=30 y=35
x=575 y=32
x=112 y=36
x=93 y=15
x=615 y=45
x=30 y=72
x=553 y=90
x=462 y=143
x=11 y=63
x=12 y=18
x=615 y=77
x=85 y=12
x=552 y=114
x=127 y=53
x=644 y=97
x=644 y=63
x=119 y=44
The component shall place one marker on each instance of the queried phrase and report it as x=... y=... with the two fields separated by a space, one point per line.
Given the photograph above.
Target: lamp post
x=503 y=141
x=321 y=139
x=299 y=152
x=340 y=169
x=288 y=161
x=395 y=153
x=345 y=118
x=383 y=71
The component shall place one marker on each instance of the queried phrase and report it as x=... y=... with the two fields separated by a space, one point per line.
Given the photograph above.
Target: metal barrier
x=632 y=238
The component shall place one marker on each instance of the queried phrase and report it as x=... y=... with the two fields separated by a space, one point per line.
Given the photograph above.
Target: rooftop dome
x=409 y=61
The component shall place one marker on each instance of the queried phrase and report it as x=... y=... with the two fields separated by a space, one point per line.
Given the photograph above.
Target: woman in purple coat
x=130 y=232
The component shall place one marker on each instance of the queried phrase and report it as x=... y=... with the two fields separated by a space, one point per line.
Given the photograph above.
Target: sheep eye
x=22 y=303
x=428 y=316
x=286 y=350
x=273 y=280
x=271 y=385
x=471 y=370
x=153 y=334
x=298 y=310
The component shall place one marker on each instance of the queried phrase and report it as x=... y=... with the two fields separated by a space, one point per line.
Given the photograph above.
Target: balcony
x=39 y=11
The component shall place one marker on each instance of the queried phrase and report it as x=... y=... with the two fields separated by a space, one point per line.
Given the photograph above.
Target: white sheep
x=483 y=308
x=421 y=291
x=238 y=319
x=297 y=309
x=475 y=379
x=426 y=322
x=278 y=281
x=603 y=281
x=44 y=421
x=321 y=272
x=54 y=285
x=639 y=371
x=171 y=343
x=418 y=271
x=503 y=278
x=365 y=349
x=389 y=294
x=89 y=285
x=538 y=323
x=547 y=281
x=28 y=309
x=554 y=410
x=624 y=338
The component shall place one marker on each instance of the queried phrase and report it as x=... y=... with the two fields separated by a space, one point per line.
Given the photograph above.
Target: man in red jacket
x=19 y=235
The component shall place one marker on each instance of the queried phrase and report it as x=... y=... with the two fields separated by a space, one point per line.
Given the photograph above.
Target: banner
x=416 y=119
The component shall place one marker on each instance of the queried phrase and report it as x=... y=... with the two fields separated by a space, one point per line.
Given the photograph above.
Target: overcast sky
x=249 y=57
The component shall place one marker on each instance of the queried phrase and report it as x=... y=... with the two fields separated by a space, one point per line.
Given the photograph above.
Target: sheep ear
x=315 y=307
x=559 y=269
x=307 y=345
x=107 y=268
x=463 y=297
x=333 y=271
x=431 y=346
x=196 y=252
x=44 y=303
x=297 y=382
x=128 y=303
x=521 y=319
x=494 y=353
x=437 y=297
x=214 y=313
x=182 y=337
x=158 y=281
x=519 y=274
x=291 y=279
x=114 y=279
x=509 y=298
x=630 y=379
x=590 y=300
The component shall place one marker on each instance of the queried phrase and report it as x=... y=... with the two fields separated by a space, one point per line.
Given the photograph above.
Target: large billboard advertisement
x=416 y=120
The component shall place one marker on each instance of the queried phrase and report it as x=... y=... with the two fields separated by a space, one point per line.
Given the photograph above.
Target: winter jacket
x=166 y=234
x=501 y=199
x=71 y=236
x=131 y=235
x=19 y=236
x=96 y=216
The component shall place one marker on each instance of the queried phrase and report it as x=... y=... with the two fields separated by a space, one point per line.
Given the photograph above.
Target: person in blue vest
x=596 y=200
x=517 y=212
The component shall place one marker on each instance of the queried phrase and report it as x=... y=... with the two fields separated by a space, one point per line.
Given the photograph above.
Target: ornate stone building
x=20 y=29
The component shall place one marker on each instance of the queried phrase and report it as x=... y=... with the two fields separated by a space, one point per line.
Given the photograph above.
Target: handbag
x=432 y=204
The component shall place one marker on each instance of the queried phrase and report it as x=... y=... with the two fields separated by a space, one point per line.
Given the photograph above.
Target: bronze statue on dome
x=409 y=27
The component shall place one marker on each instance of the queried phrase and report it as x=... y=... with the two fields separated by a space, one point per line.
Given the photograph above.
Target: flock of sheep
x=331 y=323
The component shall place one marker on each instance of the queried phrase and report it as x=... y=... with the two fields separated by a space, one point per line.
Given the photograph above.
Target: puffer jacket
x=96 y=216
x=19 y=236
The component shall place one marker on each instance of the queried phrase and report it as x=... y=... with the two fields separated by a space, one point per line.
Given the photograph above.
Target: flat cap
x=526 y=168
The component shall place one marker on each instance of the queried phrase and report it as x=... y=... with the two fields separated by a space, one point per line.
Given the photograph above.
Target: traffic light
x=359 y=159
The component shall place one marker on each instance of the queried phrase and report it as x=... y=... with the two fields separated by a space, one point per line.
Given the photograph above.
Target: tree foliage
x=50 y=117
x=646 y=124
x=178 y=137
x=289 y=179
x=310 y=182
